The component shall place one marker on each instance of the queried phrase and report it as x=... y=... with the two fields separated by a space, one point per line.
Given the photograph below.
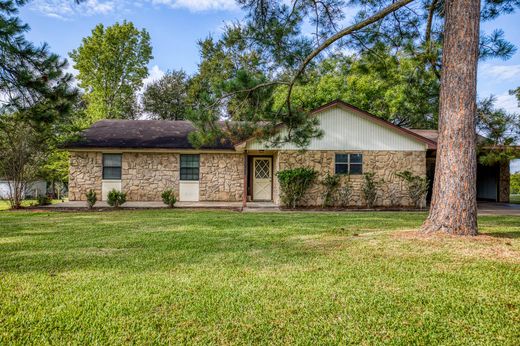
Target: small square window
x=349 y=164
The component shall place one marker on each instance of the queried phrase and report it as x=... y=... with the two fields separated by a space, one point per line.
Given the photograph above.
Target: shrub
x=116 y=198
x=91 y=198
x=294 y=183
x=345 y=193
x=370 y=185
x=417 y=187
x=515 y=183
x=43 y=200
x=331 y=184
x=168 y=198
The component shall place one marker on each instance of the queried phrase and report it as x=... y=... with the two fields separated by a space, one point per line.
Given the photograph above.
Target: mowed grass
x=222 y=277
x=514 y=199
x=4 y=204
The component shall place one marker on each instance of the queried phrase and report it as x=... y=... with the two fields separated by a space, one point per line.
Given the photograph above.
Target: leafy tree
x=515 y=183
x=112 y=64
x=235 y=82
x=444 y=36
x=167 y=97
x=55 y=170
x=500 y=130
x=23 y=152
x=32 y=81
x=396 y=88
x=36 y=101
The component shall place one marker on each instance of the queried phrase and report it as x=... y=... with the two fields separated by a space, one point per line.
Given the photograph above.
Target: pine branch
x=345 y=32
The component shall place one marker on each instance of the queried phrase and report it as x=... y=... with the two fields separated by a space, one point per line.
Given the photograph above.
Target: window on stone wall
x=190 y=167
x=112 y=166
x=349 y=164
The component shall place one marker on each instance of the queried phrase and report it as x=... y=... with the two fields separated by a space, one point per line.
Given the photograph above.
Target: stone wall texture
x=392 y=191
x=145 y=176
x=221 y=177
x=85 y=173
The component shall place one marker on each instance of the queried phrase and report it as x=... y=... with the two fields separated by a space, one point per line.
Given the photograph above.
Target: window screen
x=112 y=166
x=189 y=167
x=349 y=164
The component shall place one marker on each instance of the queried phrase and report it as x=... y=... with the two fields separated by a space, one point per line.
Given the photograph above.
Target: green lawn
x=4 y=205
x=515 y=199
x=221 y=277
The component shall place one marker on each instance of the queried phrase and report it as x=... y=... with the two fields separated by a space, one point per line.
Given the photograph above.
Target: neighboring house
x=145 y=157
x=34 y=189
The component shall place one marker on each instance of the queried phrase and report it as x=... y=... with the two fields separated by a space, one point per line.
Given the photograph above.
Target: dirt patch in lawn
x=482 y=245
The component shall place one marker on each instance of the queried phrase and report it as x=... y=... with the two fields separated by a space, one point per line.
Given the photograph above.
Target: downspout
x=244 y=193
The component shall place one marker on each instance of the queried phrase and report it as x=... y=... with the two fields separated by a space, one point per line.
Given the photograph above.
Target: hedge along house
x=145 y=157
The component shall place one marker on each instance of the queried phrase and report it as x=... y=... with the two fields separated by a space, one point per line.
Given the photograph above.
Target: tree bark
x=454 y=203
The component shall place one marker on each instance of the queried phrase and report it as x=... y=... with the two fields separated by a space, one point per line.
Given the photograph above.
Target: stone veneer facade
x=392 y=192
x=85 y=173
x=221 y=177
x=145 y=175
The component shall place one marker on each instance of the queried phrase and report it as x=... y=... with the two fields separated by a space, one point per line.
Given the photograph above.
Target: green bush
x=116 y=198
x=43 y=200
x=417 y=187
x=294 y=183
x=168 y=198
x=331 y=184
x=91 y=198
x=345 y=193
x=370 y=185
x=515 y=183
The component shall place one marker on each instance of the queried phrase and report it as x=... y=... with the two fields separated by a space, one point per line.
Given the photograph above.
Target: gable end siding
x=346 y=130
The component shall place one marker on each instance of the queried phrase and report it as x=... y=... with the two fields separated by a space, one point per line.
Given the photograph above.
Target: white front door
x=262 y=178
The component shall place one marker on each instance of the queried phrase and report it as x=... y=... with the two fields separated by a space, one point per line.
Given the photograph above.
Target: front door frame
x=251 y=172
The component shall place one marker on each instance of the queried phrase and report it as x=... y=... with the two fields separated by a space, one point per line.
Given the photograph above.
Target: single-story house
x=145 y=157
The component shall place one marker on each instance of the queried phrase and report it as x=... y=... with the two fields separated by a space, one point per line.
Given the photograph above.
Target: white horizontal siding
x=346 y=130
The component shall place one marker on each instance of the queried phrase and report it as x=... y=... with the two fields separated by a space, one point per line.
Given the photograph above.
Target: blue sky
x=175 y=26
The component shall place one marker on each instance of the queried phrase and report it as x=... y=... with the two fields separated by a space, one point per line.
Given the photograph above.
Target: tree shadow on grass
x=506 y=235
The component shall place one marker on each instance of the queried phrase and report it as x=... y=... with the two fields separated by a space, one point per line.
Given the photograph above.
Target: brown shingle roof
x=168 y=134
x=138 y=134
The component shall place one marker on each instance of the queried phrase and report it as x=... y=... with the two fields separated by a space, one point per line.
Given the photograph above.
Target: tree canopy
x=32 y=80
x=36 y=102
x=167 y=98
x=112 y=64
x=271 y=69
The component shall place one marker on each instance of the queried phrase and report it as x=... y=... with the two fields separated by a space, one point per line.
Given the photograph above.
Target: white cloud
x=155 y=73
x=64 y=9
x=508 y=102
x=502 y=72
x=199 y=5
x=73 y=72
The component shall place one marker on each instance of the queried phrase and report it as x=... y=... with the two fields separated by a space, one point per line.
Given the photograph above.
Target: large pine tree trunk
x=454 y=202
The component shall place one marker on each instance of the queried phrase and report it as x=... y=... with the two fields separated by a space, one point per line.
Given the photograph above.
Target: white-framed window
x=112 y=166
x=351 y=164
